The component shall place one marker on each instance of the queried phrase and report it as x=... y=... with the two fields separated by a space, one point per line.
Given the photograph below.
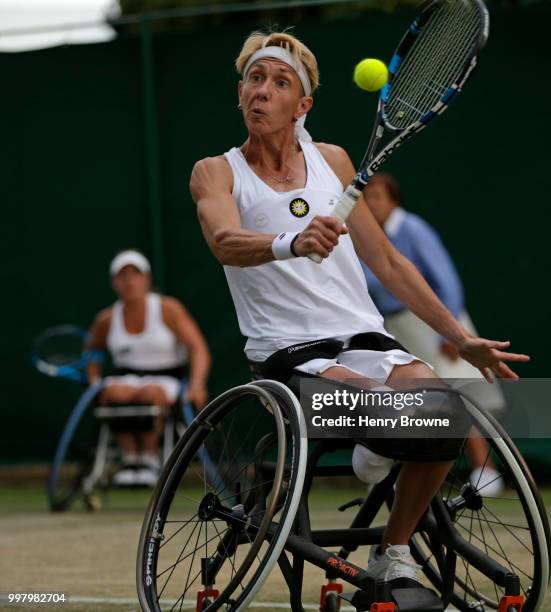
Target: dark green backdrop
x=78 y=182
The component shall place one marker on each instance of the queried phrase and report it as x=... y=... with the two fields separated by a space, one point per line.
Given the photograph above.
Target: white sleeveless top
x=155 y=348
x=296 y=300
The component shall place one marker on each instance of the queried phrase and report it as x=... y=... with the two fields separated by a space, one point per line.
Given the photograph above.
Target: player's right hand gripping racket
x=429 y=68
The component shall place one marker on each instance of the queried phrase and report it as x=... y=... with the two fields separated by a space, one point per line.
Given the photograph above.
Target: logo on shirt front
x=299 y=207
x=261 y=220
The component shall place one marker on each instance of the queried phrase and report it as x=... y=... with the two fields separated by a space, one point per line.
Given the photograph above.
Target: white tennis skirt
x=375 y=365
x=169 y=384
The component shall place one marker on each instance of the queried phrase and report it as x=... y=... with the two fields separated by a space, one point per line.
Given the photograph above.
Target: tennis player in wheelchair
x=263 y=207
x=150 y=338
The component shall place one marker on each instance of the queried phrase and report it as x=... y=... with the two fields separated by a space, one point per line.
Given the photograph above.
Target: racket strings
x=424 y=65
x=61 y=350
x=432 y=67
x=435 y=61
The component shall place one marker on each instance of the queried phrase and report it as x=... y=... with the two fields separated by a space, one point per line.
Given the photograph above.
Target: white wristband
x=281 y=246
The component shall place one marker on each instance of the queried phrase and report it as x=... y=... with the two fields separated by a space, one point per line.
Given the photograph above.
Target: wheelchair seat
x=123 y=417
x=87 y=456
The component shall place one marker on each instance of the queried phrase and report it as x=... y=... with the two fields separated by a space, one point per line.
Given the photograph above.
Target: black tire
x=511 y=528
x=254 y=511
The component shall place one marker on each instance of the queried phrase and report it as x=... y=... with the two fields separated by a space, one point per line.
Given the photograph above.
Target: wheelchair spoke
x=191 y=564
x=486 y=549
x=509 y=531
x=241 y=447
x=468 y=577
x=199 y=475
x=261 y=484
x=166 y=541
x=227 y=437
x=510 y=563
x=482 y=471
x=181 y=559
x=487 y=484
x=226 y=551
x=191 y=520
x=172 y=567
x=508 y=525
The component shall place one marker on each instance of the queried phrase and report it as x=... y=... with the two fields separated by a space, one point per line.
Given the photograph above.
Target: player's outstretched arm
x=403 y=279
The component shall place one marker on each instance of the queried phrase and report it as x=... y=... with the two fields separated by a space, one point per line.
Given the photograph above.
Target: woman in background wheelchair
x=150 y=338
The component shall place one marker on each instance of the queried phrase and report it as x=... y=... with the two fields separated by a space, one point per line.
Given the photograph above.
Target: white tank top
x=295 y=300
x=155 y=348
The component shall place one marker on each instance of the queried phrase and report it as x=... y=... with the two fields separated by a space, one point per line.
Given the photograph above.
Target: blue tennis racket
x=61 y=352
x=430 y=66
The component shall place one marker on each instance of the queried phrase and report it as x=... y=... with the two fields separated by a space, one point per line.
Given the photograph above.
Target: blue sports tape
x=395 y=63
x=450 y=93
x=427 y=117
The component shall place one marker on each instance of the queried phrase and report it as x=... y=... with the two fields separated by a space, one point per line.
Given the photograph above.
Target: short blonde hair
x=299 y=51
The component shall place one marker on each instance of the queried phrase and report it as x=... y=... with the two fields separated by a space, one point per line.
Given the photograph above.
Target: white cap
x=129 y=258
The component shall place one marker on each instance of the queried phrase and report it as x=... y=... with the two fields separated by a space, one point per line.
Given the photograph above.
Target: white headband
x=285 y=56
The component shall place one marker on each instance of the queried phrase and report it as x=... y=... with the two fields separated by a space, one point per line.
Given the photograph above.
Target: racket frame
x=371 y=163
x=73 y=370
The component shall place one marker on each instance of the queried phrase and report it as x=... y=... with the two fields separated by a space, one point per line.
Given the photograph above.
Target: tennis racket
x=431 y=65
x=60 y=352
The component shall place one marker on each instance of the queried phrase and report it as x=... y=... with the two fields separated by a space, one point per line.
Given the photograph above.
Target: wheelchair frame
x=309 y=545
x=305 y=544
x=91 y=473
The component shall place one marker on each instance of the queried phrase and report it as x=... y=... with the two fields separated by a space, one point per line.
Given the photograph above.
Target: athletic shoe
x=394 y=563
x=148 y=471
x=488 y=481
x=146 y=477
x=125 y=477
x=150 y=460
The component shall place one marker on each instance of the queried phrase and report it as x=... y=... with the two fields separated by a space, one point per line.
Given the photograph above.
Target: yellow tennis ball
x=370 y=74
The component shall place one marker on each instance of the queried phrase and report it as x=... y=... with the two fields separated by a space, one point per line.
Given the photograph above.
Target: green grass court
x=91 y=556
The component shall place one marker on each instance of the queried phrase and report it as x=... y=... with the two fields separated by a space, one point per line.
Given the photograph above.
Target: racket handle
x=341 y=211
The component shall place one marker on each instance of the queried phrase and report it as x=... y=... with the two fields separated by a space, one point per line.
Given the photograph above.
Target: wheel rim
x=509 y=527
x=225 y=527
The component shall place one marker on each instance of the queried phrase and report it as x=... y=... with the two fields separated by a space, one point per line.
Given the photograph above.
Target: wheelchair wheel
x=511 y=528
x=74 y=454
x=211 y=537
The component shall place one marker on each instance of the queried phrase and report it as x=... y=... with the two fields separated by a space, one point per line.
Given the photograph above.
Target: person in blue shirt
x=420 y=243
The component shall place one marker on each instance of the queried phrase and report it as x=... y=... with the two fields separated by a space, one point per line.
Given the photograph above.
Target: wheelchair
x=87 y=456
x=211 y=538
